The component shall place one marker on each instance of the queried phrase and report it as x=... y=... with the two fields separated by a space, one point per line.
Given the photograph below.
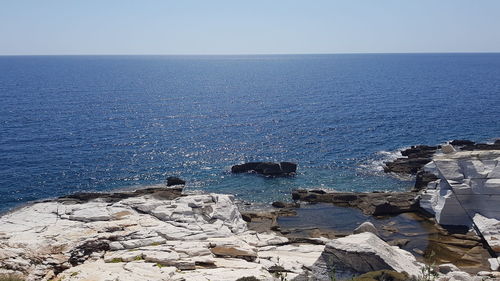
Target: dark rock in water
x=482 y=146
x=377 y=204
x=406 y=165
x=318 y=191
x=461 y=142
x=419 y=151
x=279 y=204
x=266 y=168
x=175 y=181
x=423 y=178
x=399 y=242
x=288 y=167
x=246 y=167
x=416 y=158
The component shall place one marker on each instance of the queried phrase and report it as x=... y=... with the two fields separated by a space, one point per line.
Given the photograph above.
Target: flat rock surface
x=153 y=235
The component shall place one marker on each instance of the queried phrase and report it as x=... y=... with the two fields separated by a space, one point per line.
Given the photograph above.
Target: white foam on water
x=376 y=164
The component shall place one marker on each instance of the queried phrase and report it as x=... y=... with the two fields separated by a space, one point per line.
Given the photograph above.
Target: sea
x=99 y=123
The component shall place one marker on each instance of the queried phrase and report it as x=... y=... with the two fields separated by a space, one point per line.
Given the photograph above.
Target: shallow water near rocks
x=426 y=241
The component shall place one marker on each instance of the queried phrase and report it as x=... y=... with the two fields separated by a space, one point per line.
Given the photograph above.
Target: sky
x=64 y=27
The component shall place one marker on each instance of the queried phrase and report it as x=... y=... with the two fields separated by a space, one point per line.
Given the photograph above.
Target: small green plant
x=429 y=273
x=138 y=258
x=155 y=244
x=159 y=265
x=116 y=260
x=74 y=274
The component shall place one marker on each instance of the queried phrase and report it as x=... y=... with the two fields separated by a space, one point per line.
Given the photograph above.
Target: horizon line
x=253 y=54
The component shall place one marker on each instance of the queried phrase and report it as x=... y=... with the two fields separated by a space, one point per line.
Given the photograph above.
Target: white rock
x=136 y=243
x=165 y=258
x=490 y=228
x=366 y=227
x=494 y=264
x=90 y=213
x=364 y=252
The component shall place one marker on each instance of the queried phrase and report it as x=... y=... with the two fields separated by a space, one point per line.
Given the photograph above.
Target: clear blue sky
x=247 y=26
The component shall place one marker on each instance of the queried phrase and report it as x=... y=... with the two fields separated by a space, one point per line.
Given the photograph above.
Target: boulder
x=364 y=252
x=175 y=181
x=366 y=227
x=266 y=168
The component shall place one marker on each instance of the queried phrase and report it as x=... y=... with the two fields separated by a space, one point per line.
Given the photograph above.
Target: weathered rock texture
x=361 y=253
x=467 y=189
x=155 y=234
x=159 y=234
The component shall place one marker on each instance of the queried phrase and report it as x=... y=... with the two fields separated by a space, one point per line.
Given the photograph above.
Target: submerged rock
x=266 y=168
x=279 y=204
x=374 y=203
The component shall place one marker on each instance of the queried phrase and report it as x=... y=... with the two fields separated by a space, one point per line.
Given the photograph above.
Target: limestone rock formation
x=466 y=191
x=157 y=234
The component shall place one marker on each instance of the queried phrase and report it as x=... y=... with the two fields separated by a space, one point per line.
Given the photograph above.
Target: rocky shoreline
x=163 y=234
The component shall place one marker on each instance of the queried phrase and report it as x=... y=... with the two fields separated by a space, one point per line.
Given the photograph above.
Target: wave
x=375 y=165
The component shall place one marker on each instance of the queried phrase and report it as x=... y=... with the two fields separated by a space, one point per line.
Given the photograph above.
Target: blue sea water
x=95 y=123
